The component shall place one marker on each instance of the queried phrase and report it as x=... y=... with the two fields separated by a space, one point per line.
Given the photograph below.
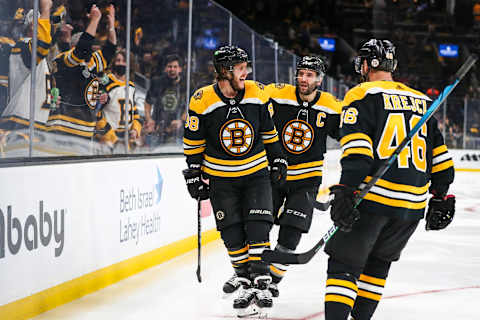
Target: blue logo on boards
x=159 y=185
x=327 y=44
x=448 y=50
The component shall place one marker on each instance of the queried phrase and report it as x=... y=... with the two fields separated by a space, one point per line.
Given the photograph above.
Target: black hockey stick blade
x=199 y=276
x=275 y=256
x=322 y=206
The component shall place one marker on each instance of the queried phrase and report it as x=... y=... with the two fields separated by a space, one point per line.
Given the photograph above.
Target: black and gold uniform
x=16 y=65
x=233 y=140
x=376 y=117
x=303 y=129
x=111 y=119
x=78 y=79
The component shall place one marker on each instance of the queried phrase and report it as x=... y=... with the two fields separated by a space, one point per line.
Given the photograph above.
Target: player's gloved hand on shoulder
x=278 y=171
x=196 y=187
x=343 y=211
x=441 y=209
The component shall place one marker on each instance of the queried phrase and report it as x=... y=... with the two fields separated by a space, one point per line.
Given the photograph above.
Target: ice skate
x=232 y=285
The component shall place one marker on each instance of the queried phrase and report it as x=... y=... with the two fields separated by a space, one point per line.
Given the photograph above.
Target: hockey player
x=78 y=78
x=304 y=116
x=111 y=120
x=376 y=117
x=230 y=138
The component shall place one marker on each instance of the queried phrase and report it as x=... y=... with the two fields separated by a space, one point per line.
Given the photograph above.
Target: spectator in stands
x=165 y=102
x=476 y=15
x=111 y=119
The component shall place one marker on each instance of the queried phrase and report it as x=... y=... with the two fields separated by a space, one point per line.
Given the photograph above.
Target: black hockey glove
x=196 y=187
x=278 y=171
x=440 y=212
x=343 y=211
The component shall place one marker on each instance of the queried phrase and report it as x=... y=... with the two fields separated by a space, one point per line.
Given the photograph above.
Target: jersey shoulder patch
x=203 y=98
x=282 y=91
x=356 y=93
x=331 y=102
x=255 y=91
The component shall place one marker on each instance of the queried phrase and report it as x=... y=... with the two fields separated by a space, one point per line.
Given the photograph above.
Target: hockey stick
x=199 y=240
x=302 y=258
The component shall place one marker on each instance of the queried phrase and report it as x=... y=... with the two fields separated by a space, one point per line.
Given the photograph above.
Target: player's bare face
x=239 y=75
x=307 y=81
x=173 y=69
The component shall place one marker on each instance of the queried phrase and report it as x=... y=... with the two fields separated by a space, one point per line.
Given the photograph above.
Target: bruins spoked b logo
x=236 y=137
x=91 y=93
x=297 y=136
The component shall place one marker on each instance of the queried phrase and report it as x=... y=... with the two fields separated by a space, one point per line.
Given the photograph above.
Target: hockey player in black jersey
x=377 y=115
x=304 y=116
x=78 y=78
x=231 y=139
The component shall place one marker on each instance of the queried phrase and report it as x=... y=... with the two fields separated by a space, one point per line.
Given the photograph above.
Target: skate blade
x=250 y=311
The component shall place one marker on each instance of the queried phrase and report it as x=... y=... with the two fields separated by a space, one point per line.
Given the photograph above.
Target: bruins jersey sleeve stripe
x=269 y=136
x=441 y=159
x=193 y=146
x=71 y=60
x=356 y=143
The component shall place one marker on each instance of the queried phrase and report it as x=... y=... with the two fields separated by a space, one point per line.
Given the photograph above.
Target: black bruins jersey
x=76 y=77
x=230 y=137
x=303 y=128
x=376 y=117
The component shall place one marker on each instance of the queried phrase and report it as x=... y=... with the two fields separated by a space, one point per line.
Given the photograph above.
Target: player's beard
x=308 y=90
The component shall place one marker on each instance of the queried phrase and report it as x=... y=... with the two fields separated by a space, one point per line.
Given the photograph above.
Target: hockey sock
x=288 y=239
x=234 y=240
x=277 y=270
x=257 y=266
x=239 y=259
x=370 y=288
x=340 y=296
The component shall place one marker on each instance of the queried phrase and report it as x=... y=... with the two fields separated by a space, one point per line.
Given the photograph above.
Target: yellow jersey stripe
x=272 y=140
x=398 y=187
x=243 y=250
x=442 y=166
x=306 y=165
x=439 y=150
x=72 y=120
x=304 y=175
x=355 y=136
x=369 y=295
x=70 y=130
x=235 y=174
x=340 y=299
x=194 y=142
x=263 y=244
x=235 y=162
x=193 y=151
x=395 y=202
x=342 y=283
x=277 y=271
x=364 y=151
x=372 y=280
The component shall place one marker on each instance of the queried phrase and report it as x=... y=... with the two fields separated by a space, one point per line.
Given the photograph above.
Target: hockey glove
x=196 y=187
x=440 y=212
x=278 y=171
x=343 y=211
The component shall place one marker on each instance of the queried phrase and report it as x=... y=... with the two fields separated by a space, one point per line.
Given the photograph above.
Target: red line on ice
x=317 y=314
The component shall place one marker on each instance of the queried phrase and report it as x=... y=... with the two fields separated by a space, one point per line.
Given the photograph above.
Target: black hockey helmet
x=380 y=55
x=313 y=63
x=227 y=57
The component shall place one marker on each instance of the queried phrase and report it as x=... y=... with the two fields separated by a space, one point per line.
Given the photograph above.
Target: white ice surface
x=437 y=277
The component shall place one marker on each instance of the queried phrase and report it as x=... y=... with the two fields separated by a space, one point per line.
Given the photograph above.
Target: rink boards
x=67 y=230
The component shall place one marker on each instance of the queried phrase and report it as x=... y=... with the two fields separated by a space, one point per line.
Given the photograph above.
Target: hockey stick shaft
x=199 y=239
x=301 y=258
